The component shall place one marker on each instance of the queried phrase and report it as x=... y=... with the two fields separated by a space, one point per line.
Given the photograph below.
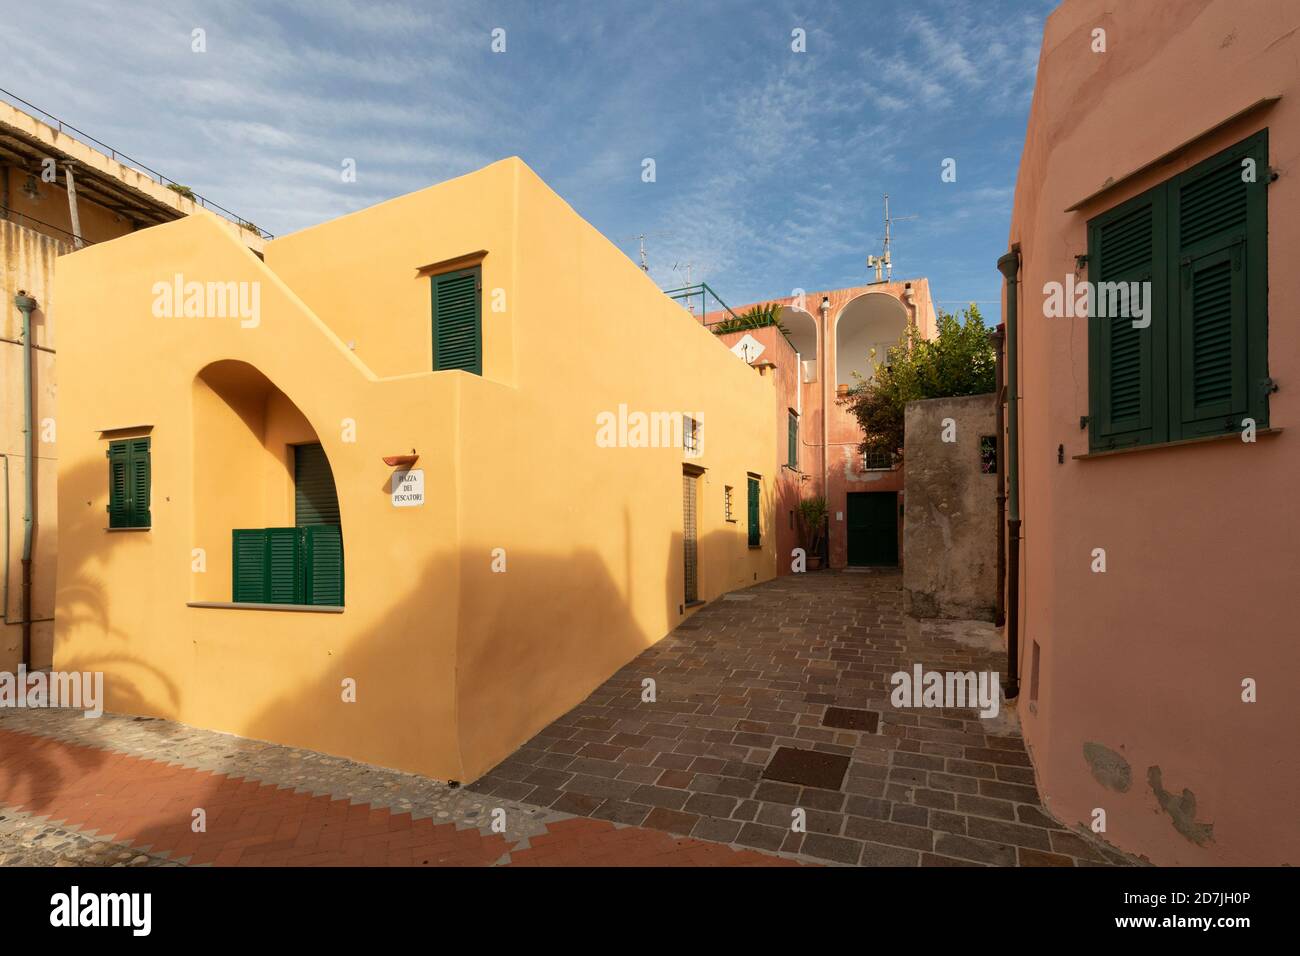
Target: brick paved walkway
x=756 y=672
x=64 y=802
x=677 y=782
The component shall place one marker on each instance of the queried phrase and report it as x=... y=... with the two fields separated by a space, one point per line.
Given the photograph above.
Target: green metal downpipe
x=25 y=304
x=1009 y=266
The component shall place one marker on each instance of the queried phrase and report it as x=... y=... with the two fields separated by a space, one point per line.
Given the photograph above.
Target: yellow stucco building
x=388 y=494
x=57 y=194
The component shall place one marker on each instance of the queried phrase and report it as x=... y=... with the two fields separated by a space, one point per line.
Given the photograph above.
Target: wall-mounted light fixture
x=401 y=461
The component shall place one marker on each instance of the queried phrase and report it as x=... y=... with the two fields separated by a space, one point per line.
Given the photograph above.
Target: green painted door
x=873 y=529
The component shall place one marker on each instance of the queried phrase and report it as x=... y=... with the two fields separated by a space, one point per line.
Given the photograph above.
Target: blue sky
x=769 y=164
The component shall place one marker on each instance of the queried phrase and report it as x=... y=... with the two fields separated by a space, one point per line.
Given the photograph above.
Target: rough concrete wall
x=950 y=509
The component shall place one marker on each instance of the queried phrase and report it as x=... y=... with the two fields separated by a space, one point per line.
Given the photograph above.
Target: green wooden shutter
x=323 y=563
x=248 y=566
x=1218 y=345
x=792 y=441
x=755 y=536
x=128 y=483
x=119 y=509
x=1212 y=348
x=1127 y=366
x=140 y=477
x=315 y=500
x=457 y=321
x=284 y=570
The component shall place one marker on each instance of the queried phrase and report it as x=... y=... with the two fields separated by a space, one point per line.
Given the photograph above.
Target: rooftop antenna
x=645 y=265
x=883 y=260
x=690 y=306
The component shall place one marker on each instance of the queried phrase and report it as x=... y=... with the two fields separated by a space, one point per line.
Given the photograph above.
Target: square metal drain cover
x=809 y=768
x=846 y=718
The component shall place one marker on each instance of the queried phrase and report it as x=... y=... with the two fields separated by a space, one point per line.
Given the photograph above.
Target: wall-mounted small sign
x=408 y=488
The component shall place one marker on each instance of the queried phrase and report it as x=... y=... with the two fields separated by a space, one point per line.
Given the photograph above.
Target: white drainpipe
x=826 y=409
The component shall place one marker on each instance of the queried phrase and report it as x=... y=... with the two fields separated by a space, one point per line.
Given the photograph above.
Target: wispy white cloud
x=770 y=163
x=971 y=50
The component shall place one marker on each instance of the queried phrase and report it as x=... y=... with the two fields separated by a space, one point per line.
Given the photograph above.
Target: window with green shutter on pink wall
x=1194 y=363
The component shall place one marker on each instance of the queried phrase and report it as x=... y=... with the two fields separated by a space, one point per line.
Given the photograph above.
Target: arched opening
x=266 y=511
x=873 y=320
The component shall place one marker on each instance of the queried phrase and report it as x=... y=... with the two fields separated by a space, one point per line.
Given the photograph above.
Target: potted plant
x=812 y=519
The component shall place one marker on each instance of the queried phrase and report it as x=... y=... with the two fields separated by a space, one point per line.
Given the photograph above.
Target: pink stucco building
x=1153 y=618
x=832 y=335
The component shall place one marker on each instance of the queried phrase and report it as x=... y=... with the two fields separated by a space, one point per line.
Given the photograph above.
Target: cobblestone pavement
x=758 y=671
x=678 y=782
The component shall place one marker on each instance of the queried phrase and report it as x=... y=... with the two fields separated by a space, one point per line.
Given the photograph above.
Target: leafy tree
x=959 y=361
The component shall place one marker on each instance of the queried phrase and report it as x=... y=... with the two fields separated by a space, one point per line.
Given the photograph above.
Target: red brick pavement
x=146 y=803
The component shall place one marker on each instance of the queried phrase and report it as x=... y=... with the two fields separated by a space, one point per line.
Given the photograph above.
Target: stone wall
x=950 y=509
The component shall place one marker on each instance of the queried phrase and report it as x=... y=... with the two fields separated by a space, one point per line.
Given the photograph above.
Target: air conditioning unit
x=809 y=370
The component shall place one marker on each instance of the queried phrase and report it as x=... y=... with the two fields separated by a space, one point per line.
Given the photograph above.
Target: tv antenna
x=640 y=239
x=686 y=267
x=882 y=261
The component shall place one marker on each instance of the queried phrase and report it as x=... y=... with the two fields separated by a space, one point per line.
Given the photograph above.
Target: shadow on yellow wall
x=506 y=689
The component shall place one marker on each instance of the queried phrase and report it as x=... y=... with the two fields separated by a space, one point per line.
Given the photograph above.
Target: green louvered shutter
x=248 y=566
x=119 y=509
x=315 y=500
x=1218 y=349
x=284 y=571
x=1127 y=365
x=792 y=441
x=140 y=477
x=323 y=563
x=457 y=321
x=755 y=535
x=128 y=483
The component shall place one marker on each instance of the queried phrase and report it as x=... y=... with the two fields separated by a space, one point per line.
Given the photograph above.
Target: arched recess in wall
x=873 y=320
x=265 y=506
x=802 y=332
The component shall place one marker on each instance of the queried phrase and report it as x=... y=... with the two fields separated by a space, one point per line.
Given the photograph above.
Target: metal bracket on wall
x=1083 y=422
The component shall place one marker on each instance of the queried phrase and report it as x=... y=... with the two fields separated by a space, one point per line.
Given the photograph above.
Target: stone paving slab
x=744 y=679
x=620 y=781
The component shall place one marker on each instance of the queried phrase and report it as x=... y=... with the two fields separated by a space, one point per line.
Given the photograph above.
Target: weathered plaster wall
x=950 y=506
x=27 y=262
x=1202 y=541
